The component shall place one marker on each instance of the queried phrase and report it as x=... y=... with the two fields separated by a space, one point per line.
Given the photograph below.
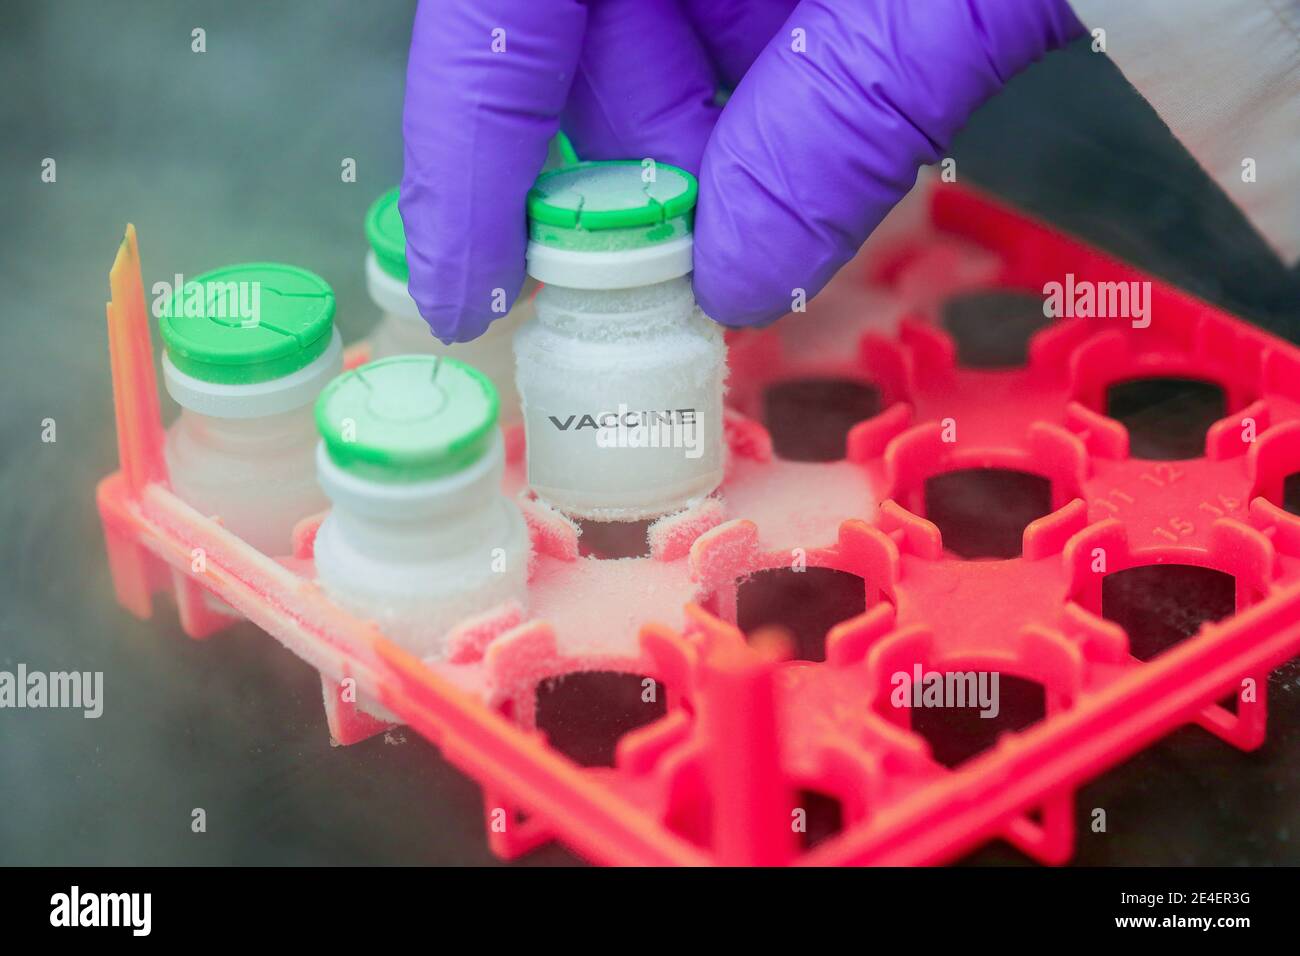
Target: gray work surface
x=235 y=155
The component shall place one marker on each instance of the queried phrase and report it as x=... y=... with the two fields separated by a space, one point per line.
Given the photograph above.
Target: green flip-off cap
x=407 y=418
x=611 y=205
x=387 y=236
x=248 y=323
x=560 y=152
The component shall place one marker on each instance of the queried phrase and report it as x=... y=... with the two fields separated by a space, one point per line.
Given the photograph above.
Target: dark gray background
x=234 y=155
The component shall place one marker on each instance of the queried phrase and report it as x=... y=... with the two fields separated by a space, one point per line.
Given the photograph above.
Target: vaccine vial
x=401 y=330
x=420 y=536
x=247 y=349
x=620 y=373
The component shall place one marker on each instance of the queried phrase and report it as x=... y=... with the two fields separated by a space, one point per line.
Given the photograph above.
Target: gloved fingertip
x=463 y=318
x=451 y=323
x=733 y=296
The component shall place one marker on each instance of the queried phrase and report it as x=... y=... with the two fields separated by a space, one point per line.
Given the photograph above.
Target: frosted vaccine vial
x=620 y=373
x=401 y=330
x=420 y=536
x=247 y=350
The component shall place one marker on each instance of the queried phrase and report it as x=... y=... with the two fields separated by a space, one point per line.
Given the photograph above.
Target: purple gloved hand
x=841 y=103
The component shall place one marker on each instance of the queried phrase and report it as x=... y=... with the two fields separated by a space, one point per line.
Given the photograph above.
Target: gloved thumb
x=826 y=131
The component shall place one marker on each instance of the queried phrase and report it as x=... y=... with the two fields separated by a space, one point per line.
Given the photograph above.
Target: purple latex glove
x=810 y=153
